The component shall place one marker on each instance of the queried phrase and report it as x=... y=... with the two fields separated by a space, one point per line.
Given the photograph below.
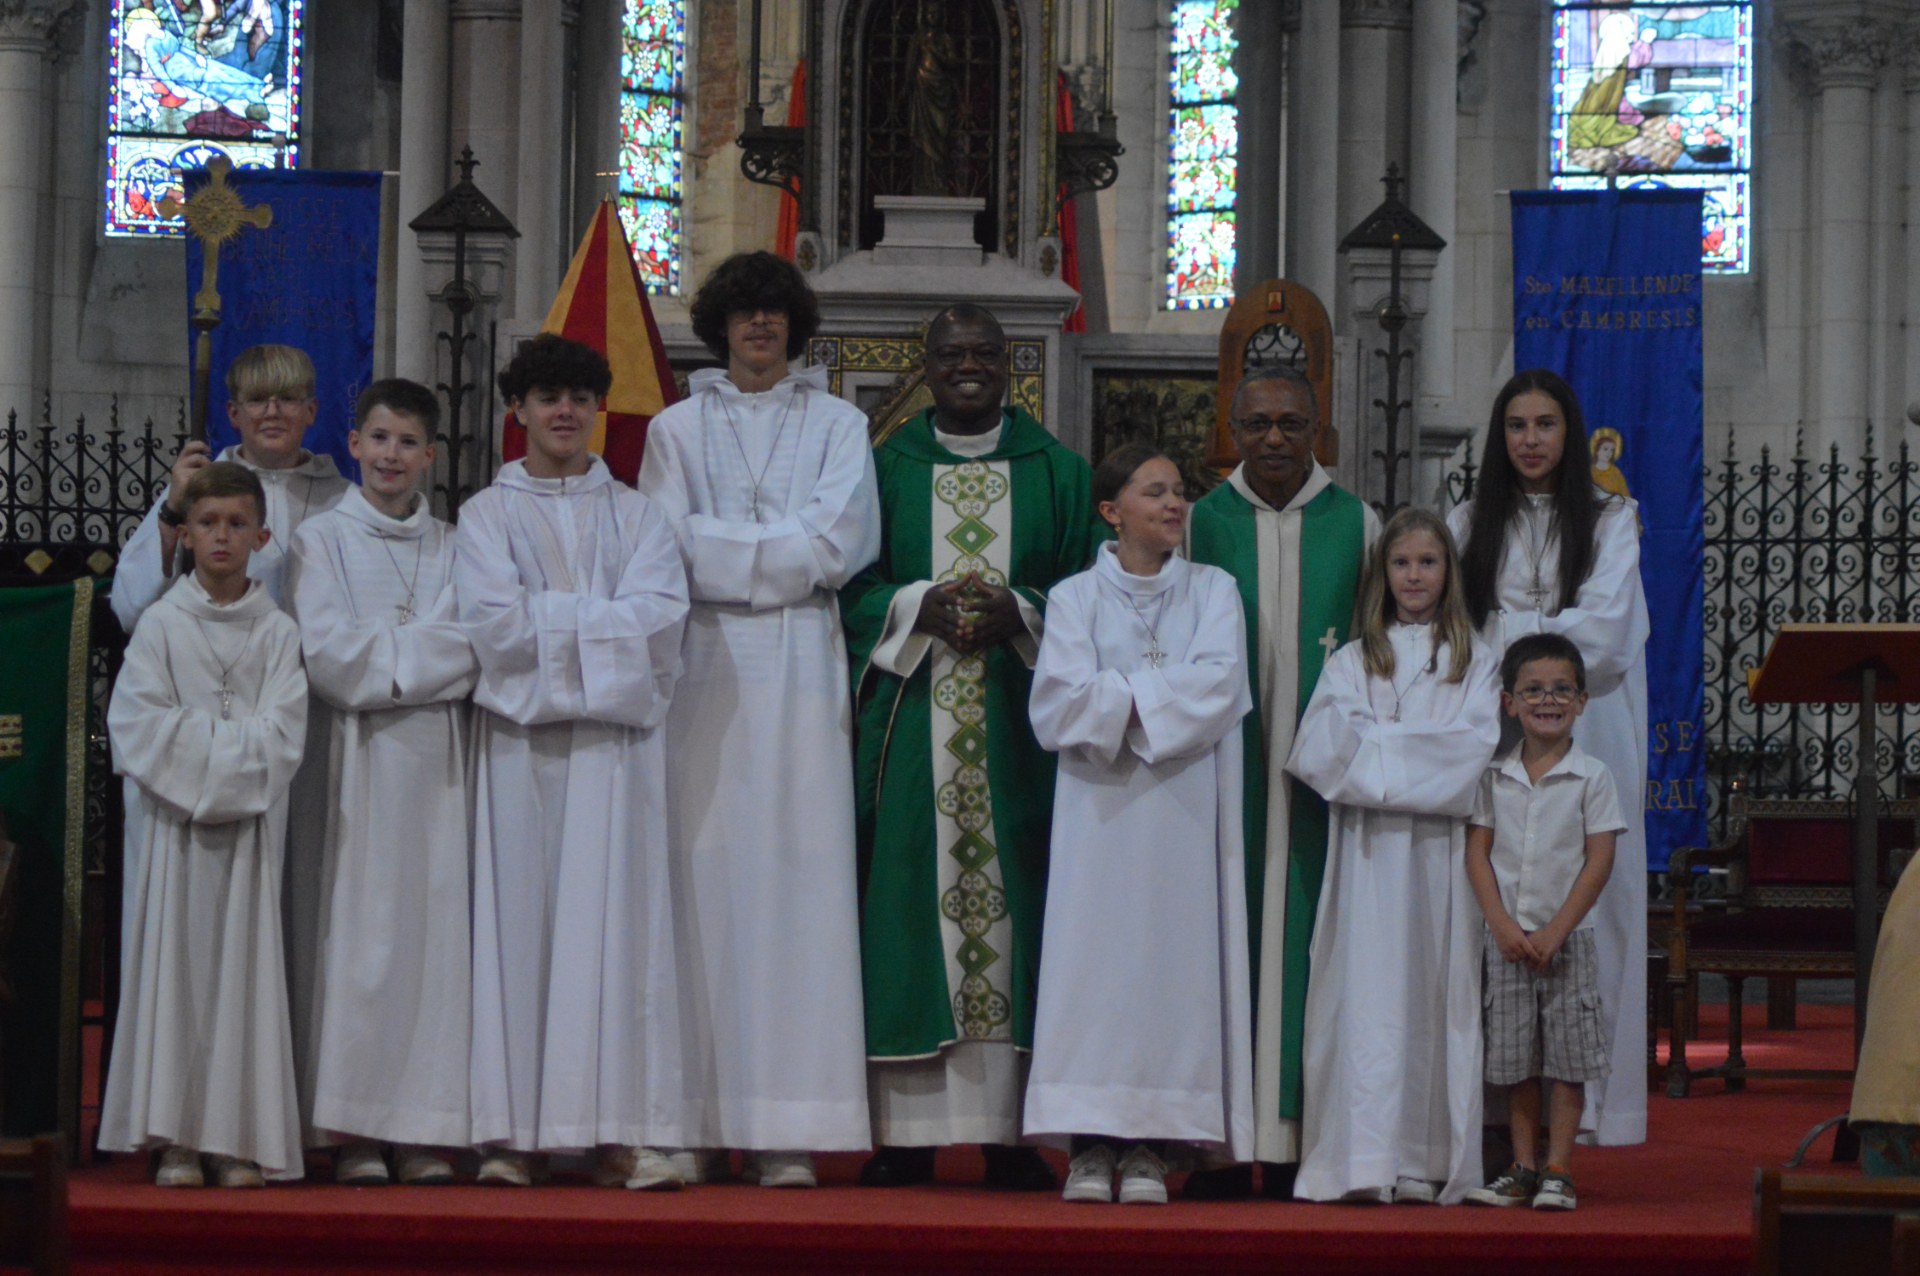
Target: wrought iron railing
x=69 y=493
x=1804 y=539
x=1808 y=537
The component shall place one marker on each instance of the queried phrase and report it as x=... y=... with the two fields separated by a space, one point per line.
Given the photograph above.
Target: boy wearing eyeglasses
x=270 y=403
x=1539 y=851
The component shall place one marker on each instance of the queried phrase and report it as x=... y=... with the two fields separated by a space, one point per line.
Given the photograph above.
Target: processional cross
x=215 y=215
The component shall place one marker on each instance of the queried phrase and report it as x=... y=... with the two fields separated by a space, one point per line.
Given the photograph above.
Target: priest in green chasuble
x=1295 y=543
x=982 y=511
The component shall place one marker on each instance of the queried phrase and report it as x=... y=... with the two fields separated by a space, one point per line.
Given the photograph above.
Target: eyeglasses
x=1292 y=427
x=954 y=356
x=260 y=406
x=1562 y=694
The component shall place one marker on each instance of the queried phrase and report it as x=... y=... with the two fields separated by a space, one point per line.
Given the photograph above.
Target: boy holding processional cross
x=371 y=584
x=208 y=721
x=271 y=405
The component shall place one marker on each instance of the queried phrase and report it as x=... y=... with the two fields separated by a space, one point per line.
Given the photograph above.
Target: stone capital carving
x=1839 y=53
x=484 y=10
x=1085 y=80
x=37 y=25
x=1471 y=84
x=1393 y=14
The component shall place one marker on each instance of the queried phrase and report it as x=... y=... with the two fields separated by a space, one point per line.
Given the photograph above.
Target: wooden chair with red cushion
x=1788 y=913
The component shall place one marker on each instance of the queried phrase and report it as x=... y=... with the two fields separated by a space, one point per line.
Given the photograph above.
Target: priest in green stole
x=982 y=511
x=1295 y=543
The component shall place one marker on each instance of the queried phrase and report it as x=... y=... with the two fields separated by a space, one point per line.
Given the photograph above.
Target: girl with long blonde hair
x=1400 y=729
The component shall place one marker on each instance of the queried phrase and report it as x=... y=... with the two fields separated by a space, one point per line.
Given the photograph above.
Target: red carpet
x=1682 y=1202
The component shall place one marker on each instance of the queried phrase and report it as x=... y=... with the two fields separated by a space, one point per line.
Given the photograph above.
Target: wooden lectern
x=1834 y=664
x=1869 y=665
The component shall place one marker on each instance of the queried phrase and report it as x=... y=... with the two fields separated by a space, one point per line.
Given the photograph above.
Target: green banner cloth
x=44 y=632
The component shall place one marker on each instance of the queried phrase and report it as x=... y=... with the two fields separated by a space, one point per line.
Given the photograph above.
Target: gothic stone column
x=424 y=175
x=542 y=155
x=1433 y=161
x=27 y=32
x=1910 y=67
x=1313 y=208
x=1843 y=57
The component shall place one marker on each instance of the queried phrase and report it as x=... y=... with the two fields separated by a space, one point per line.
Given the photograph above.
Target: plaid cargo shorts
x=1545 y=1023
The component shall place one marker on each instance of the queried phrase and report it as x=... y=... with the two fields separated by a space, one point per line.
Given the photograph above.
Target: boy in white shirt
x=371 y=584
x=1539 y=851
x=207 y=722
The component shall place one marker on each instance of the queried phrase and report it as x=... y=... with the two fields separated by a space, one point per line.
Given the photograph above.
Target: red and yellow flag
x=602 y=304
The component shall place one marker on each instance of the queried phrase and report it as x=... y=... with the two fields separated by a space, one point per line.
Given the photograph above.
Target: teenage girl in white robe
x=1142 y=1029
x=1399 y=731
x=1543 y=551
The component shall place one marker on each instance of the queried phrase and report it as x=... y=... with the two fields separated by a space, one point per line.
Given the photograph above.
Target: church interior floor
x=1681 y=1201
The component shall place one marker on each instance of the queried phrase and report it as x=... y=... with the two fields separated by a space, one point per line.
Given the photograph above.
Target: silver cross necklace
x=1155 y=655
x=1401 y=693
x=226 y=668
x=771 y=452
x=1536 y=551
x=405 y=609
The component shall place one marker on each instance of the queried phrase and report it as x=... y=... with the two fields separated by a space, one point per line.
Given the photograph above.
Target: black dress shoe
x=1228 y=1183
x=1276 y=1181
x=1017 y=1169
x=898 y=1167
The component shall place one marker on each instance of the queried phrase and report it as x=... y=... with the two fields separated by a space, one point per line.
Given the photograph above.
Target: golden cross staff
x=215 y=215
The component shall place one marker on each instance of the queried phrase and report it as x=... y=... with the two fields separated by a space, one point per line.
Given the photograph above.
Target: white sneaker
x=232 y=1171
x=1090 y=1176
x=422 y=1167
x=1368 y=1196
x=503 y=1167
x=178 y=1167
x=640 y=1168
x=361 y=1164
x=784 y=1169
x=1412 y=1191
x=1143 y=1177
x=653 y=1172
x=700 y=1165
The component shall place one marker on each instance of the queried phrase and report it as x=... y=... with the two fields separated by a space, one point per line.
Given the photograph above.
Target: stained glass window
x=1202 y=169
x=653 y=47
x=1660 y=95
x=193 y=79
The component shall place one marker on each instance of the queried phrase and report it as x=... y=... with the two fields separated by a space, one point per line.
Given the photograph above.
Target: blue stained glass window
x=189 y=82
x=1660 y=95
x=653 y=48
x=1203 y=163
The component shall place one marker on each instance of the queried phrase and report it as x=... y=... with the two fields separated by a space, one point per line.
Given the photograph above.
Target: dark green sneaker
x=1556 y=1190
x=1514 y=1187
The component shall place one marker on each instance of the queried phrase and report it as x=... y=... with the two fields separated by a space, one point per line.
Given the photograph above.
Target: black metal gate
x=1805 y=539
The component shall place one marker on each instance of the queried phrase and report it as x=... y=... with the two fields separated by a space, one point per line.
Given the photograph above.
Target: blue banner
x=1606 y=292
x=309 y=280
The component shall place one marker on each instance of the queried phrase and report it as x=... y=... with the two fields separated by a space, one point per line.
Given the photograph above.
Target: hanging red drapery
x=1069 y=215
x=789 y=206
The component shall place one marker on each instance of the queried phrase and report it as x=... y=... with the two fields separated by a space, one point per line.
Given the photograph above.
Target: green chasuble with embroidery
x=1321 y=546
x=955 y=799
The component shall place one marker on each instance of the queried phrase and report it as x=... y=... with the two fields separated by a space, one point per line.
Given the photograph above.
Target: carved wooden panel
x=1278 y=321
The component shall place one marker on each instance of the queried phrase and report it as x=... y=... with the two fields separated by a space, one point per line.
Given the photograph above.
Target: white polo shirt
x=1540 y=830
